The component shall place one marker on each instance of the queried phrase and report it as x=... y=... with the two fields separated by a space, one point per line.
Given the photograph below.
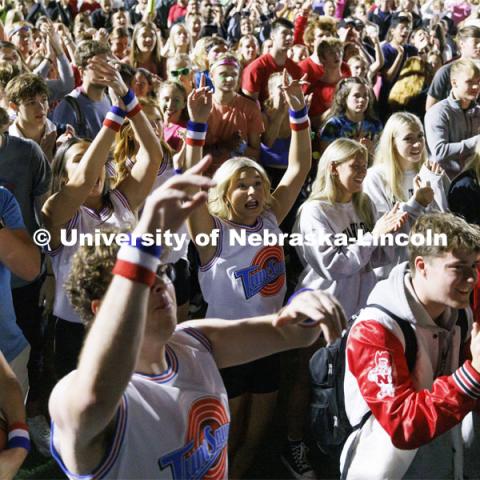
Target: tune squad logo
x=204 y=455
x=266 y=275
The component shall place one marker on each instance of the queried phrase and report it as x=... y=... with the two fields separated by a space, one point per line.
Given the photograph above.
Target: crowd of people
x=220 y=120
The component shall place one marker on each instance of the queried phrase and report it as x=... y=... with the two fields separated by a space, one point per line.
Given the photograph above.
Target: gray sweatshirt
x=452 y=133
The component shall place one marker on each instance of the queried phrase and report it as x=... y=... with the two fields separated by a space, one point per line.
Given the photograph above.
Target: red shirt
x=176 y=12
x=323 y=92
x=255 y=75
x=89 y=7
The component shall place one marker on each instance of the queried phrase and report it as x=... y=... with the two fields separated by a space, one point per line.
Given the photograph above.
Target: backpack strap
x=411 y=346
x=73 y=102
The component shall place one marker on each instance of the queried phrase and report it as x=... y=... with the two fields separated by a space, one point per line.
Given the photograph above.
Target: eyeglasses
x=180 y=72
x=166 y=270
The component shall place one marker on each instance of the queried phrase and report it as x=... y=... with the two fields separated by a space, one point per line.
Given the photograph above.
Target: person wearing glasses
x=179 y=69
x=147 y=399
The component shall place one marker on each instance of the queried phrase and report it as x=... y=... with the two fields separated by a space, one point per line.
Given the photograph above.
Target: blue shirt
x=341 y=126
x=12 y=341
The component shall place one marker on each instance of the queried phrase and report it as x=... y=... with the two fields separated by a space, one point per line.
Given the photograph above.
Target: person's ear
x=420 y=266
x=13 y=106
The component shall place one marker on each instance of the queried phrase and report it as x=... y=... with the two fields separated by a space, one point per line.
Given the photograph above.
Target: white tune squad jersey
x=116 y=215
x=244 y=281
x=173 y=425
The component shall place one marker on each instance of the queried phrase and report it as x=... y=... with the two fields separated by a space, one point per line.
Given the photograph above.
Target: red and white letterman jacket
x=406 y=435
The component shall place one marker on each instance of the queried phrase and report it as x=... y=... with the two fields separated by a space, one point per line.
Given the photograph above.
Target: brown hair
x=89 y=278
x=87 y=50
x=25 y=87
x=460 y=236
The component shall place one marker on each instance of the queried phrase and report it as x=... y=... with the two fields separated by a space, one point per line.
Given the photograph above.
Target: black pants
x=31 y=321
x=69 y=338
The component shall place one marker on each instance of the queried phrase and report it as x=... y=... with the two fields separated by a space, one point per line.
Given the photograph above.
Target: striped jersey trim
x=112 y=454
x=200 y=336
x=171 y=371
x=253 y=228
x=122 y=198
x=467 y=380
x=218 y=251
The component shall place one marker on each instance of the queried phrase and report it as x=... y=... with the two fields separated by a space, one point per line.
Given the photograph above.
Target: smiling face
x=449 y=278
x=146 y=40
x=349 y=176
x=246 y=196
x=410 y=145
x=172 y=102
x=466 y=86
x=248 y=49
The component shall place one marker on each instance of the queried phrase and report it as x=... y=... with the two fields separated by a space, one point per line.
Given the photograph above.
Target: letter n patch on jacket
x=381 y=374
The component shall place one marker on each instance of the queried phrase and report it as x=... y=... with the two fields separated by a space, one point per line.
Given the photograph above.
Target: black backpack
x=328 y=419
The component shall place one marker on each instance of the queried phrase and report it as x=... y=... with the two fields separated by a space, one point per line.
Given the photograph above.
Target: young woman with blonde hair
x=243 y=277
x=146 y=48
x=402 y=173
x=337 y=205
x=178 y=42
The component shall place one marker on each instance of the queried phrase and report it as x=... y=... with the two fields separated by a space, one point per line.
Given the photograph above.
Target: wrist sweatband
x=18 y=436
x=131 y=104
x=307 y=323
x=114 y=118
x=196 y=134
x=299 y=119
x=178 y=171
x=138 y=262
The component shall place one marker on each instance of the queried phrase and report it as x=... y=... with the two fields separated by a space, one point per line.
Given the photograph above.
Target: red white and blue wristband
x=18 y=436
x=307 y=323
x=138 y=261
x=132 y=106
x=299 y=119
x=114 y=118
x=196 y=134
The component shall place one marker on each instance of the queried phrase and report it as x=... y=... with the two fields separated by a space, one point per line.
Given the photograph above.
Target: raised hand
x=292 y=90
x=475 y=346
x=320 y=307
x=434 y=167
x=390 y=222
x=108 y=75
x=423 y=192
x=170 y=205
x=200 y=102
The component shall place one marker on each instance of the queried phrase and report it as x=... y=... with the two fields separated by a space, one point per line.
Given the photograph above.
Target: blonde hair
x=224 y=176
x=387 y=153
x=171 y=50
x=467 y=66
x=156 y=52
x=325 y=187
x=126 y=146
